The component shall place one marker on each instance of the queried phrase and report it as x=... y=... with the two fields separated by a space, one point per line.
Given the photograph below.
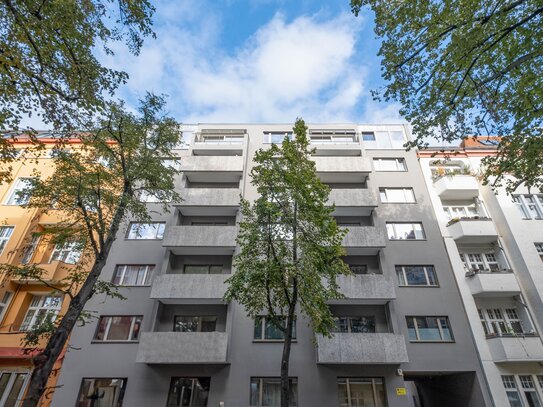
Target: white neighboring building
x=495 y=245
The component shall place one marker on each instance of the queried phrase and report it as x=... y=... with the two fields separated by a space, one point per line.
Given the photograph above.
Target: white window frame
x=30 y=249
x=5 y=234
x=37 y=305
x=486 y=264
x=292 y=381
x=391 y=226
x=9 y=386
x=439 y=327
x=133 y=321
x=383 y=140
x=408 y=195
x=347 y=380
x=522 y=384
x=4 y=304
x=333 y=137
x=527 y=208
x=499 y=322
x=263 y=323
x=400 y=164
x=402 y=276
x=269 y=136
x=539 y=248
x=19 y=185
x=133 y=235
x=463 y=211
x=67 y=252
x=122 y=268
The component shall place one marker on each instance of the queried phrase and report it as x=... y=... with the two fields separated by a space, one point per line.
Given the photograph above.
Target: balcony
x=497 y=284
x=359 y=348
x=366 y=289
x=53 y=272
x=457 y=187
x=212 y=168
x=226 y=142
x=189 y=288
x=521 y=348
x=472 y=230
x=353 y=202
x=170 y=348
x=197 y=240
x=336 y=146
x=364 y=240
x=342 y=169
x=209 y=201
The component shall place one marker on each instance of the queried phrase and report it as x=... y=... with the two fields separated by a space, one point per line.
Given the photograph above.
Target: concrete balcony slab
x=189 y=288
x=473 y=230
x=516 y=349
x=457 y=187
x=493 y=284
x=364 y=240
x=185 y=239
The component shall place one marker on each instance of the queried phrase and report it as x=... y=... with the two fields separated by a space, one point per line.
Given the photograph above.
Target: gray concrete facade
x=200 y=233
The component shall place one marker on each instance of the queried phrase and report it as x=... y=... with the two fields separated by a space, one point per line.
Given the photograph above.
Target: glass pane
x=136 y=329
x=445 y=329
x=343 y=395
x=428 y=330
x=362 y=324
x=117 y=276
x=271 y=330
x=200 y=269
x=186 y=324
x=101 y=331
x=215 y=269
x=411 y=329
x=431 y=276
x=383 y=140
x=16 y=387
x=101 y=392
x=209 y=324
x=362 y=393
x=401 y=277
x=514 y=399
x=532 y=398
x=415 y=275
x=358 y=268
x=130 y=275
x=4 y=379
x=119 y=329
x=258 y=328
x=380 y=392
x=396 y=138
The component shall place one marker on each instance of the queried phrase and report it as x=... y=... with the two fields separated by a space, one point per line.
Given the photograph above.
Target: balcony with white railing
x=223 y=142
x=335 y=143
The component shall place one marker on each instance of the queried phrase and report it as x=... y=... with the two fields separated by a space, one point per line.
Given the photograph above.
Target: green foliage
x=468 y=68
x=290 y=245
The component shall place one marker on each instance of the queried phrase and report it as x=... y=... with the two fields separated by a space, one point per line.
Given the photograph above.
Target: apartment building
x=494 y=241
x=402 y=336
x=24 y=303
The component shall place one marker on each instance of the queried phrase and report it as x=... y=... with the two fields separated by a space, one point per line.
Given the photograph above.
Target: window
x=30 y=249
x=528 y=386
x=20 y=193
x=12 y=387
x=118 y=328
x=191 y=392
x=539 y=248
x=466 y=211
x=67 y=252
x=276 y=137
x=511 y=390
x=383 y=139
x=358 y=268
x=501 y=321
x=265 y=330
x=6 y=298
x=5 y=234
x=362 y=324
x=397 y=195
x=429 y=329
x=405 y=231
x=416 y=275
x=332 y=137
x=368 y=136
x=148 y=197
x=57 y=152
x=389 y=164
x=266 y=391
x=173 y=164
x=481 y=262
x=43 y=309
x=203 y=269
x=361 y=392
x=144 y=231
x=195 y=323
x=102 y=392
x=133 y=275
x=529 y=206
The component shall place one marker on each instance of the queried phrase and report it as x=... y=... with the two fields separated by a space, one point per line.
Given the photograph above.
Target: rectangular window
x=173 y=164
x=466 y=211
x=118 y=328
x=416 y=275
x=511 y=390
x=42 y=309
x=429 y=329
x=368 y=136
x=148 y=197
x=133 y=275
x=30 y=249
x=203 y=269
x=12 y=387
x=361 y=392
x=188 y=392
x=184 y=323
x=266 y=392
x=501 y=321
x=539 y=248
x=146 y=231
x=5 y=234
x=358 y=324
x=405 y=231
x=482 y=262
x=389 y=164
x=528 y=387
x=530 y=206
x=21 y=192
x=383 y=139
x=4 y=302
x=101 y=392
x=359 y=269
x=67 y=252
x=332 y=137
x=266 y=330
x=397 y=195
x=276 y=137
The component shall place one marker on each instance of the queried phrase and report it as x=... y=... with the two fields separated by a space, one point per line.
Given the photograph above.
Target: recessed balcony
x=353 y=201
x=496 y=284
x=212 y=168
x=189 y=288
x=196 y=239
x=336 y=146
x=170 y=348
x=342 y=169
x=458 y=187
x=364 y=240
x=209 y=201
x=219 y=143
x=516 y=348
x=362 y=348
x=366 y=289
x=472 y=230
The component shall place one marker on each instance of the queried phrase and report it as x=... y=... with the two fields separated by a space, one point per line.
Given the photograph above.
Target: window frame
x=500 y=324
x=383 y=193
x=11 y=198
x=402 y=269
x=160 y=230
x=54 y=311
x=399 y=161
x=66 y=247
x=293 y=386
x=200 y=322
x=263 y=319
x=209 y=266
x=5 y=301
x=120 y=399
x=440 y=329
x=134 y=318
x=349 y=323
x=525 y=207
x=149 y=271
x=373 y=386
x=194 y=380
x=9 y=386
x=268 y=136
x=4 y=240
x=393 y=226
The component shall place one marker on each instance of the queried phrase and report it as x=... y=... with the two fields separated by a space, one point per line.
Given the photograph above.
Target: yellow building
x=24 y=303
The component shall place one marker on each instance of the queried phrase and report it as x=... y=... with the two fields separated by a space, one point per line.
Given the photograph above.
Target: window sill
x=94 y=341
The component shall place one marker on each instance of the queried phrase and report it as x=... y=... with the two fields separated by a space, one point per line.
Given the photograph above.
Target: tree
x=468 y=68
x=48 y=62
x=93 y=190
x=290 y=245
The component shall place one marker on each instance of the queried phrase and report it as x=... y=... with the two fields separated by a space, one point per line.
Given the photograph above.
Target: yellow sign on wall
x=401 y=391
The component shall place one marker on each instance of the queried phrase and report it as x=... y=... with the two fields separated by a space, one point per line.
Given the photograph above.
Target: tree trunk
x=285 y=358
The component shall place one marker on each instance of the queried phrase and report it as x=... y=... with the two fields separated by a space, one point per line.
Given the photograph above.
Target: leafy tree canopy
x=468 y=68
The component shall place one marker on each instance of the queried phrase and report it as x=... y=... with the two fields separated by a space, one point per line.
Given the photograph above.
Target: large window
x=184 y=323
x=133 y=275
x=142 y=231
x=405 y=231
x=481 y=262
x=43 y=309
x=203 y=269
x=5 y=234
x=462 y=211
x=397 y=195
x=383 y=139
x=20 y=193
x=12 y=387
x=523 y=390
x=416 y=275
x=118 y=328
x=529 y=206
x=332 y=137
x=389 y=164
x=67 y=252
x=361 y=392
x=356 y=324
x=4 y=302
x=501 y=321
x=266 y=392
x=30 y=249
x=429 y=329
x=265 y=330
x=276 y=137
x=188 y=392
x=100 y=392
